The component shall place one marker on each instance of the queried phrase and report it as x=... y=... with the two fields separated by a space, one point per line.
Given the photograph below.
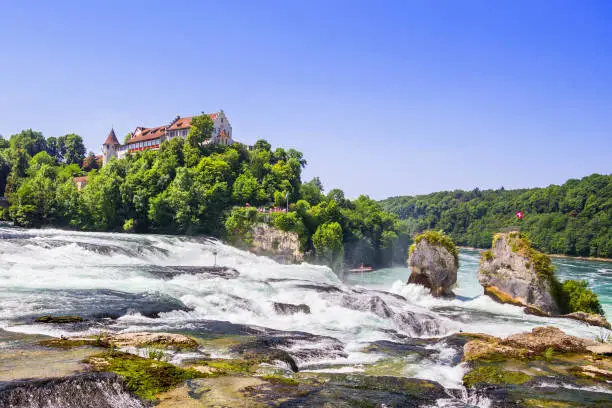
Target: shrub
x=577 y=297
x=239 y=223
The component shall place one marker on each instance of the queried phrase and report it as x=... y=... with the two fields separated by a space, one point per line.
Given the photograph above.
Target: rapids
x=121 y=282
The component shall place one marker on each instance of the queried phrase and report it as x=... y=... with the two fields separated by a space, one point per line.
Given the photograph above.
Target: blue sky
x=384 y=98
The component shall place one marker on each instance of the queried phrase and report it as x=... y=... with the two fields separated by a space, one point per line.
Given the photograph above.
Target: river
x=122 y=282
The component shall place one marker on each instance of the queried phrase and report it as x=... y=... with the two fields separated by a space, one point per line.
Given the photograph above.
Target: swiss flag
x=519 y=215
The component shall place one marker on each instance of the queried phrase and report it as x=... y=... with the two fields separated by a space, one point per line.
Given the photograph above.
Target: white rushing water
x=62 y=272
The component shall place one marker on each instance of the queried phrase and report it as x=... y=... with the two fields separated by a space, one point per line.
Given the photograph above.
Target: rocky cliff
x=283 y=246
x=433 y=262
x=513 y=272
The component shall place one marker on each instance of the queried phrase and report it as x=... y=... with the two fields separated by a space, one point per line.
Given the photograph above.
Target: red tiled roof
x=81 y=179
x=185 y=123
x=148 y=134
x=181 y=123
x=159 y=131
x=112 y=139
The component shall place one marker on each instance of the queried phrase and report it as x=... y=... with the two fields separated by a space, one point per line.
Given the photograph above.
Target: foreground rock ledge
x=527 y=344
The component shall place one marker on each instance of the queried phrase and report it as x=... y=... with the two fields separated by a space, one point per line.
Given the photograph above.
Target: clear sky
x=384 y=98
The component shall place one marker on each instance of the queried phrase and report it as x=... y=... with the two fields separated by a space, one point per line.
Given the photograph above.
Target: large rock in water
x=512 y=272
x=433 y=263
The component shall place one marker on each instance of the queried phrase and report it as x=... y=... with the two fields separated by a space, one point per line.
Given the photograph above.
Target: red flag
x=519 y=215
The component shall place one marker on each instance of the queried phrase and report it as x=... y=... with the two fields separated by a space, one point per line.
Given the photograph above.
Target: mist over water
x=122 y=282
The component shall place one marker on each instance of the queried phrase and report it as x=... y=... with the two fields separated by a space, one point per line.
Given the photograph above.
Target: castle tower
x=110 y=147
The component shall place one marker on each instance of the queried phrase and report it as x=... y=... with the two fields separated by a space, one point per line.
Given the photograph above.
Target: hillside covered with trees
x=190 y=187
x=573 y=219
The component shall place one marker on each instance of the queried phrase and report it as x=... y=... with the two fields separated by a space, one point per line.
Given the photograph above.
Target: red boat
x=362 y=268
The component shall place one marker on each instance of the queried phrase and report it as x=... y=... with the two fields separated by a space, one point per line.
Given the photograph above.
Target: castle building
x=111 y=147
x=151 y=138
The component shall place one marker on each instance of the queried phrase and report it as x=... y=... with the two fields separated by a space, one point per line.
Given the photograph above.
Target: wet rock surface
x=411 y=322
x=291 y=348
x=289 y=309
x=96 y=304
x=59 y=319
x=205 y=272
x=99 y=390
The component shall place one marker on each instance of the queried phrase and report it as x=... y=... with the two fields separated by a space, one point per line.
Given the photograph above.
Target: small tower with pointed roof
x=110 y=147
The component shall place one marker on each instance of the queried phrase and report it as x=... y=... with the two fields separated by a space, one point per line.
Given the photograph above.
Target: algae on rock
x=433 y=261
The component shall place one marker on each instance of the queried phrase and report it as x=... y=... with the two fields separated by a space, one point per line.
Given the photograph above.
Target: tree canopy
x=573 y=219
x=187 y=187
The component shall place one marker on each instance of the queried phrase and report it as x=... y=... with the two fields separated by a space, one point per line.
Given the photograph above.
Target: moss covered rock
x=513 y=272
x=146 y=378
x=433 y=261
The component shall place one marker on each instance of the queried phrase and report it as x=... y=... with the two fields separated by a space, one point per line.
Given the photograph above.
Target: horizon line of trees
x=574 y=218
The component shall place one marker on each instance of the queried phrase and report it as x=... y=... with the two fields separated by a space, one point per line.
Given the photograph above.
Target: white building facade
x=151 y=138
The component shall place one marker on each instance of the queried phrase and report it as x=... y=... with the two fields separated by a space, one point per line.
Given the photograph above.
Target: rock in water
x=144 y=339
x=592 y=319
x=289 y=309
x=433 y=263
x=513 y=272
x=100 y=390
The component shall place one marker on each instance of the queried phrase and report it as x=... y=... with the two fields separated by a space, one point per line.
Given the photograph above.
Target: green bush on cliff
x=436 y=238
x=239 y=223
x=577 y=297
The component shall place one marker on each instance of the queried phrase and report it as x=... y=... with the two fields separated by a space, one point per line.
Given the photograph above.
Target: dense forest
x=574 y=218
x=191 y=187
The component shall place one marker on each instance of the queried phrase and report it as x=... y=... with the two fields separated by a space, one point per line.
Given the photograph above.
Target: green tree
x=312 y=191
x=33 y=204
x=53 y=148
x=32 y=142
x=74 y=149
x=262 y=144
x=247 y=190
x=202 y=128
x=327 y=241
x=90 y=162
